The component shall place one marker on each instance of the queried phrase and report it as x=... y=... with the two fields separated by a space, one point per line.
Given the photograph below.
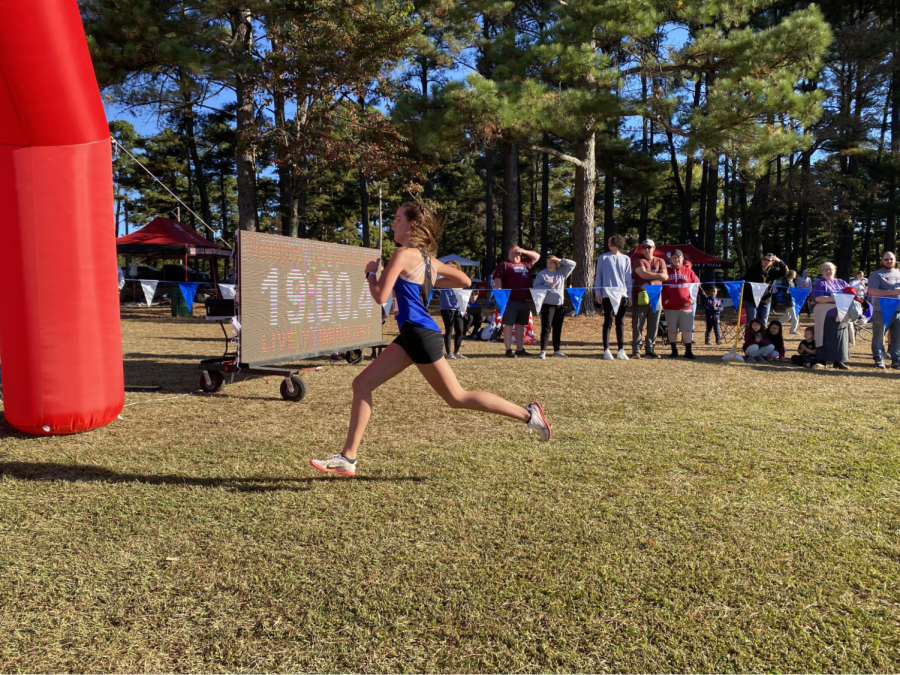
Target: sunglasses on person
x=646 y=247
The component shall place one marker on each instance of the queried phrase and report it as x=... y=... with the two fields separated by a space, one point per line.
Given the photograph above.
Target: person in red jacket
x=678 y=303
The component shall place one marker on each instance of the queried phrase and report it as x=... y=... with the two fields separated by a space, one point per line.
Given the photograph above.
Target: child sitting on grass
x=806 y=351
x=775 y=335
x=756 y=346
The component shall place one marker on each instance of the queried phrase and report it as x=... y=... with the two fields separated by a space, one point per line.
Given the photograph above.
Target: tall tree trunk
x=511 y=201
x=489 y=262
x=804 y=208
x=364 y=207
x=545 y=202
x=683 y=190
x=712 y=199
x=198 y=174
x=645 y=148
x=118 y=214
x=890 y=232
x=702 y=204
x=583 y=244
x=285 y=168
x=725 y=207
x=609 y=207
x=867 y=236
x=242 y=39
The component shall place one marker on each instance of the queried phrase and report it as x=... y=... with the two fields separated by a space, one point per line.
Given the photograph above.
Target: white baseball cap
x=648 y=242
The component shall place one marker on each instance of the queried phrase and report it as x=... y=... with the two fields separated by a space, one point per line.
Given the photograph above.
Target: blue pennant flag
x=734 y=291
x=188 y=291
x=653 y=294
x=798 y=296
x=888 y=308
x=576 y=295
x=430 y=295
x=501 y=295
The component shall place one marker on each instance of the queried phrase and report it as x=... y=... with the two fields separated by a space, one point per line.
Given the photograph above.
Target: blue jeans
x=878 y=329
x=761 y=313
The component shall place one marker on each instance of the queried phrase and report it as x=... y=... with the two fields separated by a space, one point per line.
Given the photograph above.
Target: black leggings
x=456 y=321
x=551 y=317
x=473 y=320
x=607 y=322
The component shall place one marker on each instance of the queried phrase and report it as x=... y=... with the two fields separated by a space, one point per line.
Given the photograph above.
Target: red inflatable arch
x=60 y=337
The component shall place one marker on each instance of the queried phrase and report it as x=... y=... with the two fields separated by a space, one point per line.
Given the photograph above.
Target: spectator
x=806 y=284
x=806 y=350
x=453 y=319
x=713 y=307
x=765 y=271
x=775 y=335
x=790 y=313
x=648 y=270
x=885 y=283
x=678 y=303
x=121 y=278
x=553 y=310
x=614 y=273
x=757 y=347
x=515 y=274
x=473 y=318
x=860 y=284
x=832 y=337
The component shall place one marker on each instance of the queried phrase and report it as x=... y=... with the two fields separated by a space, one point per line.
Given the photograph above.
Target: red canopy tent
x=167 y=238
x=697 y=258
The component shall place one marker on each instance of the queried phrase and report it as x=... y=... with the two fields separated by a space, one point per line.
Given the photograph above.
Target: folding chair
x=728 y=327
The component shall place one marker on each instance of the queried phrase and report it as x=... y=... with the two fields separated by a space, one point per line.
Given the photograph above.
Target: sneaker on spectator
x=559 y=355
x=621 y=355
x=607 y=355
x=542 y=355
x=880 y=366
x=522 y=352
x=449 y=357
x=510 y=354
x=459 y=356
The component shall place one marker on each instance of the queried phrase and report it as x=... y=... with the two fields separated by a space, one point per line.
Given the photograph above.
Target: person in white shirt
x=613 y=277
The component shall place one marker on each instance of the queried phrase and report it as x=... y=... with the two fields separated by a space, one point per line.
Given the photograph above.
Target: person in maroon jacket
x=515 y=274
x=678 y=303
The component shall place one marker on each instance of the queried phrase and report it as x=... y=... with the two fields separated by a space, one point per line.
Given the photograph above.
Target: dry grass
x=687 y=517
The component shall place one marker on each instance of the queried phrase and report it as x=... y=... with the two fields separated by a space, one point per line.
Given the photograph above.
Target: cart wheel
x=293 y=389
x=354 y=356
x=212 y=381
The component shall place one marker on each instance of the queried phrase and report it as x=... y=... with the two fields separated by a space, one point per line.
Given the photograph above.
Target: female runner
x=412 y=267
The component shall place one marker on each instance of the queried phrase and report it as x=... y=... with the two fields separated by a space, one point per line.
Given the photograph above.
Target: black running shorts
x=423 y=345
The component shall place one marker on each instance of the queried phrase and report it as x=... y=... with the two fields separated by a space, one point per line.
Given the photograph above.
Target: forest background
x=739 y=126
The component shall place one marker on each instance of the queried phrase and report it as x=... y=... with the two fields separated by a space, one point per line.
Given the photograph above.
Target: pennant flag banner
x=694 y=288
x=462 y=298
x=615 y=296
x=430 y=295
x=149 y=286
x=501 y=295
x=888 y=308
x=842 y=301
x=576 y=295
x=758 y=290
x=653 y=293
x=388 y=305
x=188 y=291
x=734 y=292
x=227 y=291
x=538 y=295
x=798 y=296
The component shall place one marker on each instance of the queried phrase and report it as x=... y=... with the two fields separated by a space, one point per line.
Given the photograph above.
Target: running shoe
x=635 y=355
x=560 y=355
x=621 y=355
x=459 y=356
x=449 y=357
x=607 y=355
x=522 y=352
x=542 y=355
x=335 y=464
x=510 y=354
x=880 y=366
x=538 y=421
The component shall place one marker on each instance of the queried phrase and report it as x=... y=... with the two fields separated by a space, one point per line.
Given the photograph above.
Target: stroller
x=663 y=330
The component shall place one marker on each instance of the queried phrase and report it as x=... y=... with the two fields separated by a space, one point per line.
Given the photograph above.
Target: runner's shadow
x=85 y=473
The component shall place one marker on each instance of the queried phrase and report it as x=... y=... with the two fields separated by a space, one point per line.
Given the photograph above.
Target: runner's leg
x=443 y=380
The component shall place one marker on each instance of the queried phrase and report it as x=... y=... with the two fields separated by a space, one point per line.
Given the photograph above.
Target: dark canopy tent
x=697 y=258
x=166 y=238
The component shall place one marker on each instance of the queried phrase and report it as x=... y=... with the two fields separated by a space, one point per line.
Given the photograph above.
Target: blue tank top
x=409 y=304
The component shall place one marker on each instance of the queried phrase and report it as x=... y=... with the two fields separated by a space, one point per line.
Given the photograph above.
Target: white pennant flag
x=227 y=291
x=694 y=288
x=538 y=295
x=615 y=296
x=758 y=290
x=149 y=286
x=842 y=301
x=462 y=298
x=388 y=305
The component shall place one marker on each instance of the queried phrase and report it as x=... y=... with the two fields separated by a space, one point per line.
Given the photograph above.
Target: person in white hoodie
x=553 y=310
x=613 y=278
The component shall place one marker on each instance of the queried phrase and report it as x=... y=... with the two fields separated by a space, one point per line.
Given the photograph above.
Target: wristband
x=369 y=274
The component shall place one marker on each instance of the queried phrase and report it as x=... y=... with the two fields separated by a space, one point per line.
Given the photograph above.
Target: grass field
x=687 y=516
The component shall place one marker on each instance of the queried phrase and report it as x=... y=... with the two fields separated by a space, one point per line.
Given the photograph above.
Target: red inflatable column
x=60 y=337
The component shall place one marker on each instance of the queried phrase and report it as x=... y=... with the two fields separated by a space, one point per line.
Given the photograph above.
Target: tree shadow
x=85 y=473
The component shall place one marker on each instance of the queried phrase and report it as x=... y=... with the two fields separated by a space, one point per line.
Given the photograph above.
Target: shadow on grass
x=84 y=473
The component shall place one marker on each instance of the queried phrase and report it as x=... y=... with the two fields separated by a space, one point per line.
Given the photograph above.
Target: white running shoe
x=560 y=355
x=542 y=355
x=607 y=355
x=459 y=356
x=621 y=355
x=335 y=464
x=449 y=357
x=538 y=421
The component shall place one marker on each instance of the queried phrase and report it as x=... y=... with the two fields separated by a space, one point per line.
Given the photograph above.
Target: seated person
x=775 y=335
x=756 y=346
x=806 y=351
